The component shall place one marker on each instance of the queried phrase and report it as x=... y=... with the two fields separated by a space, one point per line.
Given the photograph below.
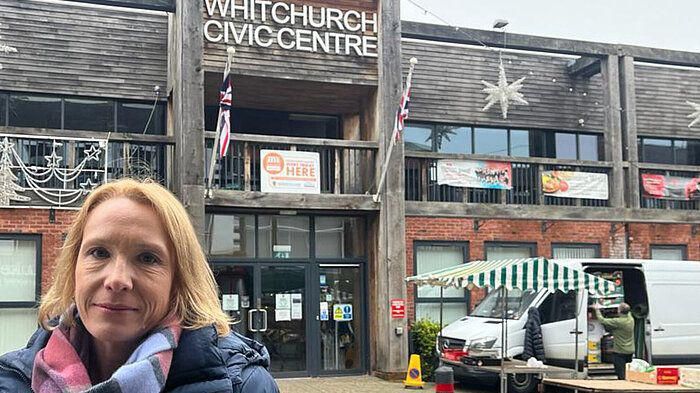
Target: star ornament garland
x=503 y=93
x=695 y=115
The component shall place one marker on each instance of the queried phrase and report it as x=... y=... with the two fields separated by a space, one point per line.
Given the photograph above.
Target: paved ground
x=363 y=383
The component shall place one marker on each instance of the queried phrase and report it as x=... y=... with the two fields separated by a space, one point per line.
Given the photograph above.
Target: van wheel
x=522 y=383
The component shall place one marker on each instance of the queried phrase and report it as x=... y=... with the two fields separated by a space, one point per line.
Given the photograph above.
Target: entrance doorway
x=310 y=317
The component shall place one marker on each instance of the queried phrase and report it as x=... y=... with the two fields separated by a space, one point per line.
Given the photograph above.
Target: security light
x=500 y=23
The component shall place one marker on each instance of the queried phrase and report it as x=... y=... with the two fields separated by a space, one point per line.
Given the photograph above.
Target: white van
x=664 y=296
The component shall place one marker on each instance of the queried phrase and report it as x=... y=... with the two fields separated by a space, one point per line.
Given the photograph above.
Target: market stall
x=509 y=274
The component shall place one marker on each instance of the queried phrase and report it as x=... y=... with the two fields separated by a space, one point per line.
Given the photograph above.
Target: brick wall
x=36 y=221
x=613 y=240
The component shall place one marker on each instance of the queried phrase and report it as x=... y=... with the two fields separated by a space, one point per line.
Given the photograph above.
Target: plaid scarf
x=60 y=366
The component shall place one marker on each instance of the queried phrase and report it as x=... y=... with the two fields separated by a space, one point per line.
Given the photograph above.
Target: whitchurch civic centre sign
x=300 y=27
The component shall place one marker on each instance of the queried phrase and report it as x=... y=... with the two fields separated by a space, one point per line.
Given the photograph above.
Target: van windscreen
x=517 y=301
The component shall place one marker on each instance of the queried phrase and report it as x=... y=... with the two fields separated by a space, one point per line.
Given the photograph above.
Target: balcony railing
x=343 y=163
x=422 y=185
x=53 y=171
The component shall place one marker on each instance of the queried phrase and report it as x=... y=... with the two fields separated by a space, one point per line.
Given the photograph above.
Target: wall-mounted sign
x=474 y=174
x=398 y=308
x=584 y=185
x=291 y=26
x=282 y=251
x=295 y=172
x=342 y=312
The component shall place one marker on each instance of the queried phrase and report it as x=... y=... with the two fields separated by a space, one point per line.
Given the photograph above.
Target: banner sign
x=157 y=5
x=290 y=26
x=583 y=185
x=670 y=187
x=295 y=172
x=474 y=174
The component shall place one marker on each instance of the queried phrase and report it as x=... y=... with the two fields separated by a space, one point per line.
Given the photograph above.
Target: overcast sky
x=667 y=24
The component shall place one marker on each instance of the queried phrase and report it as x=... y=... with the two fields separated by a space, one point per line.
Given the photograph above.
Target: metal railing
x=422 y=185
x=342 y=162
x=59 y=171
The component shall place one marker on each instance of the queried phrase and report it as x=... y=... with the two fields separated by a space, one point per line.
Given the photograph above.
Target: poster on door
x=324 y=311
x=295 y=172
x=342 y=312
x=296 y=306
x=283 y=307
x=230 y=302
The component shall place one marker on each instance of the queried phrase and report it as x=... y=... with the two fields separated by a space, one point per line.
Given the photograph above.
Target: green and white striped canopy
x=525 y=273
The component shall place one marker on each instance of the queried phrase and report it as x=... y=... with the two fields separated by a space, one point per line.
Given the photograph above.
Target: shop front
x=295 y=283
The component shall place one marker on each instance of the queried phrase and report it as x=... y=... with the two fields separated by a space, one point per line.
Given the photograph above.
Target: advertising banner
x=474 y=174
x=670 y=187
x=295 y=172
x=583 y=185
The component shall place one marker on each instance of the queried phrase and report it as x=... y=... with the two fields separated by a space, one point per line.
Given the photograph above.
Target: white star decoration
x=695 y=115
x=503 y=93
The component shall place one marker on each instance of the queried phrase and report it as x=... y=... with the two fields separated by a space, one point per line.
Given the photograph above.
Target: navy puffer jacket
x=202 y=362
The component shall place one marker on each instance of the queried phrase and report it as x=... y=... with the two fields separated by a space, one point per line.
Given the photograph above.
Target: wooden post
x=247 y=186
x=613 y=131
x=336 y=178
x=629 y=128
x=187 y=83
x=390 y=342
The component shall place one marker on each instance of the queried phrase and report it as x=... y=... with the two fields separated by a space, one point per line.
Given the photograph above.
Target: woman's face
x=124 y=273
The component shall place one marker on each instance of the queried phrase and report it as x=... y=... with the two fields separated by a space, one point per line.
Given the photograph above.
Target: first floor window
x=496 y=251
x=573 y=250
x=19 y=289
x=669 y=252
x=434 y=256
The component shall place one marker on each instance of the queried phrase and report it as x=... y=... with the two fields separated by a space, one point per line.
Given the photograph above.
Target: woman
x=133 y=307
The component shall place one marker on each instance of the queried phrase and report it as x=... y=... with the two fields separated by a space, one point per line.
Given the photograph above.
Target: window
x=520 y=143
x=283 y=237
x=565 y=146
x=492 y=141
x=133 y=117
x=418 y=137
x=230 y=235
x=566 y=251
x=669 y=151
x=669 y=252
x=35 y=111
x=339 y=237
x=432 y=256
x=89 y=114
x=589 y=147
x=558 y=306
x=19 y=289
x=496 y=251
x=452 y=139
x=3 y=109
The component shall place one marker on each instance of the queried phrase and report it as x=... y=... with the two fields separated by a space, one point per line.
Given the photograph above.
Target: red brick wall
x=36 y=221
x=613 y=244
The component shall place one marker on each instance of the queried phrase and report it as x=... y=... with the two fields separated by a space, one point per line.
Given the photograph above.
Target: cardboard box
x=659 y=376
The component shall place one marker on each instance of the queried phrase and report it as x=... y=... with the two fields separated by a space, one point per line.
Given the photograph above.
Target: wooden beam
x=550 y=213
x=290 y=140
x=613 y=131
x=629 y=129
x=264 y=200
x=528 y=160
x=50 y=133
x=463 y=35
x=585 y=67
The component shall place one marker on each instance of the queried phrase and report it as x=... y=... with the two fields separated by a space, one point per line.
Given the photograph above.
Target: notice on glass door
x=283 y=307
x=230 y=302
x=296 y=306
x=324 y=311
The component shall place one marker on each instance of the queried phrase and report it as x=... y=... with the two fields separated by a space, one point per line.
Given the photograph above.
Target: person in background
x=622 y=329
x=133 y=307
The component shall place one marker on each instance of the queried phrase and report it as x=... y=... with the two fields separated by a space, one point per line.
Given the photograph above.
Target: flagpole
x=394 y=135
x=231 y=51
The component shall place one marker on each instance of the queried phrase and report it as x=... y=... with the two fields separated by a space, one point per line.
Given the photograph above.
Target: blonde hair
x=196 y=299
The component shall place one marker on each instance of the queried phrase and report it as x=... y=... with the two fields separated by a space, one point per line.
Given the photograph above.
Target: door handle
x=576 y=332
x=264 y=315
x=659 y=329
x=251 y=312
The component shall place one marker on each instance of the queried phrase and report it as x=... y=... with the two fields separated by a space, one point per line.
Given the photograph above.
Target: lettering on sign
x=300 y=27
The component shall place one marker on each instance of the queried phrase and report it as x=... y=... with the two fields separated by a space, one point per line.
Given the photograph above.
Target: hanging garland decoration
x=42 y=180
x=695 y=115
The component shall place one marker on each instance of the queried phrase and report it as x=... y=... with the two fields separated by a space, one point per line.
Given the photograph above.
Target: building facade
x=94 y=93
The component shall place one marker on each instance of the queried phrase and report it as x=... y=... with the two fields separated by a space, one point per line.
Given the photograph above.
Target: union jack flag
x=225 y=98
x=402 y=112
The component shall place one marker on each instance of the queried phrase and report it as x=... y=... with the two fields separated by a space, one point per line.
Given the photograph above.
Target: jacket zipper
x=22 y=376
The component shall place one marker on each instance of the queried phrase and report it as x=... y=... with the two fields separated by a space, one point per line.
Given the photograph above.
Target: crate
x=659 y=376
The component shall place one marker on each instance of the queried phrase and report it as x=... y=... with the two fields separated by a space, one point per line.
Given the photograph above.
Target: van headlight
x=482 y=343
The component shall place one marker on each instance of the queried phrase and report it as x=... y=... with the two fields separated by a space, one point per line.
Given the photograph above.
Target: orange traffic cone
x=414 y=377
